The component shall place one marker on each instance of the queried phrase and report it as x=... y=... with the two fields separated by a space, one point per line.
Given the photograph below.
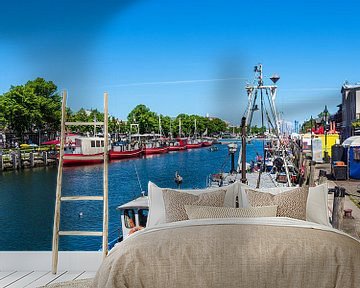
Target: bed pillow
x=201 y=212
x=175 y=202
x=290 y=203
x=316 y=207
x=156 y=202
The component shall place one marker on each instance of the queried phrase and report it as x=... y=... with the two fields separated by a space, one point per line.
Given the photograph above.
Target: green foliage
x=35 y=105
x=149 y=122
x=306 y=127
x=257 y=130
x=356 y=123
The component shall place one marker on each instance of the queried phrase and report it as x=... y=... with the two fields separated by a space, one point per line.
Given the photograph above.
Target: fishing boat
x=178 y=144
x=133 y=216
x=193 y=143
x=155 y=147
x=207 y=142
x=85 y=151
x=122 y=150
x=271 y=167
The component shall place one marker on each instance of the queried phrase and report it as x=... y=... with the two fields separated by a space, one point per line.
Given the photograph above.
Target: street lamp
x=232 y=147
x=325 y=121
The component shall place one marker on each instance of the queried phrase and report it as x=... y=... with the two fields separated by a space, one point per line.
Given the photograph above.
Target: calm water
x=27 y=197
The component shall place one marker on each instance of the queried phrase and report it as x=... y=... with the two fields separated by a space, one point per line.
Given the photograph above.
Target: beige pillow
x=175 y=201
x=290 y=204
x=201 y=212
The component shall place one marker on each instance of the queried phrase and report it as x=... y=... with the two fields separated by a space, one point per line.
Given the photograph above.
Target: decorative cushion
x=316 y=207
x=156 y=202
x=290 y=204
x=175 y=202
x=201 y=212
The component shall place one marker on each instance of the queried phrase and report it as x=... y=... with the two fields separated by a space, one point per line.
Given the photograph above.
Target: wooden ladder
x=59 y=198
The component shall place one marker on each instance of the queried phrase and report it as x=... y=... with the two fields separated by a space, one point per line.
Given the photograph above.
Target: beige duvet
x=259 y=252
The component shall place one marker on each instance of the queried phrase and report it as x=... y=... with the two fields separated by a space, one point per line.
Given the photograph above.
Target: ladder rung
x=84 y=123
x=80 y=233
x=83 y=198
x=83 y=157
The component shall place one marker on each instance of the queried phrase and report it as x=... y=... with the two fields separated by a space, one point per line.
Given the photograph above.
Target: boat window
x=92 y=143
x=143 y=214
x=129 y=218
x=97 y=143
x=102 y=143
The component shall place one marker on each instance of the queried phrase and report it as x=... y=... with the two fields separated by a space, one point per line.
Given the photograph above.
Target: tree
x=35 y=105
x=147 y=120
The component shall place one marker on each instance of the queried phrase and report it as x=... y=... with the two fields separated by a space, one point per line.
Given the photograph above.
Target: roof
x=352 y=141
x=141 y=202
x=349 y=87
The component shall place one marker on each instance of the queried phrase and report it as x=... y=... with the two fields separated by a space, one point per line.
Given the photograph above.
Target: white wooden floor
x=32 y=268
x=31 y=279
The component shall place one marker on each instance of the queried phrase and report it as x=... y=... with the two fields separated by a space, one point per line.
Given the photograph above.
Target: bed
x=232 y=252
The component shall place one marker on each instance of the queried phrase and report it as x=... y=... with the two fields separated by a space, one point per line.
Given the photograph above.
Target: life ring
x=135 y=229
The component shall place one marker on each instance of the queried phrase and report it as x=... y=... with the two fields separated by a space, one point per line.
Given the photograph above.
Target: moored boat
x=207 y=143
x=122 y=150
x=177 y=145
x=193 y=144
x=154 y=147
x=87 y=150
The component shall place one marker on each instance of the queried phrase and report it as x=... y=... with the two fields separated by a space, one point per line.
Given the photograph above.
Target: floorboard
x=86 y=275
x=13 y=277
x=5 y=274
x=28 y=279
x=68 y=276
x=46 y=279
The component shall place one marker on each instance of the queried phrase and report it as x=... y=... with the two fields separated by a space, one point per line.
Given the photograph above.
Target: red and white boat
x=87 y=150
x=123 y=150
x=177 y=145
x=155 y=147
x=207 y=142
x=193 y=144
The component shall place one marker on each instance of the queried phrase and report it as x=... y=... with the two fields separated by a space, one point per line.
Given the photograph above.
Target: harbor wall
x=17 y=159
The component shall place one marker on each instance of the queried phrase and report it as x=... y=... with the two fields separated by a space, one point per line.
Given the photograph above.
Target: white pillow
x=157 y=207
x=317 y=202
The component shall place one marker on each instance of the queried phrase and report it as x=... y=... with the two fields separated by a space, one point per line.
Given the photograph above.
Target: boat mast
x=160 y=130
x=170 y=130
x=180 y=127
x=270 y=92
x=195 y=131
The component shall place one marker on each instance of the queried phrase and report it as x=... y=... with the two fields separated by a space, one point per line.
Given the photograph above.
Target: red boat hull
x=80 y=159
x=125 y=154
x=206 y=143
x=193 y=146
x=176 y=148
x=158 y=150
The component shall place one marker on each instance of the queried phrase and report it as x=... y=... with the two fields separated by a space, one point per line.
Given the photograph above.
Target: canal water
x=27 y=197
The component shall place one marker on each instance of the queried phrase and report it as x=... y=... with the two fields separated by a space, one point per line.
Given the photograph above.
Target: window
x=143 y=214
x=129 y=218
x=97 y=143
x=92 y=143
x=102 y=143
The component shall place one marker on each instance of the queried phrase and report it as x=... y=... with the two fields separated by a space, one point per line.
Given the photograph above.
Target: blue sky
x=152 y=52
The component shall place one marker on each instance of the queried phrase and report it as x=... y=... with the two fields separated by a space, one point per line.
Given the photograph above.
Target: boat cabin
x=85 y=146
x=123 y=146
x=133 y=215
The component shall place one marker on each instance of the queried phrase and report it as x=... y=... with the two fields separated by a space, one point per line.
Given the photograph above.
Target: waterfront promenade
x=351 y=225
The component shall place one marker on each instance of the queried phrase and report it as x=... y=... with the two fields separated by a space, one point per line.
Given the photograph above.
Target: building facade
x=350 y=109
